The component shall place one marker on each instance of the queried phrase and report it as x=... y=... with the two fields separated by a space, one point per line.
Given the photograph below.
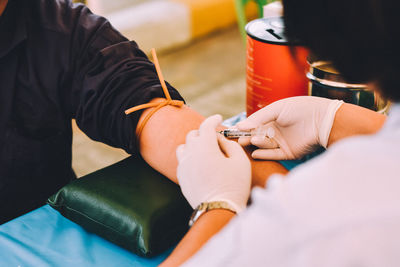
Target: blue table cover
x=44 y=237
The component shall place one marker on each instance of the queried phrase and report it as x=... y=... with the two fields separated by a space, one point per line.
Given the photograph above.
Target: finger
x=269 y=154
x=264 y=142
x=246 y=125
x=244 y=141
x=180 y=150
x=210 y=124
x=230 y=148
x=265 y=115
x=191 y=135
x=207 y=128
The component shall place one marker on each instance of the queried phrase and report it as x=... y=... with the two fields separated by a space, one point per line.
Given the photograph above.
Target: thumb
x=207 y=128
x=247 y=125
x=230 y=148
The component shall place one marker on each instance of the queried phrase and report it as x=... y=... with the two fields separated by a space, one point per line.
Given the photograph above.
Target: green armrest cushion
x=129 y=204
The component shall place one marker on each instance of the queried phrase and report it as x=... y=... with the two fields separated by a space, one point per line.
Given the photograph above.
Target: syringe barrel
x=234 y=133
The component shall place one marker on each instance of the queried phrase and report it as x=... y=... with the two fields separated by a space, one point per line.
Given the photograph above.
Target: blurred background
x=201 y=51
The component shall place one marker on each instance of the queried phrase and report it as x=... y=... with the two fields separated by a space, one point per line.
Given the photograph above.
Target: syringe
x=263 y=132
x=235 y=133
x=260 y=131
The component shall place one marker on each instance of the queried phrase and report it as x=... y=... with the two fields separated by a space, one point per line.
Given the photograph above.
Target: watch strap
x=207 y=206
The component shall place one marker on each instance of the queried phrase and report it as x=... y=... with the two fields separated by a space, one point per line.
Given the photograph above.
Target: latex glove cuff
x=327 y=122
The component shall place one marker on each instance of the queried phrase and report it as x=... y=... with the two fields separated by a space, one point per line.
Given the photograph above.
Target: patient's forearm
x=167 y=129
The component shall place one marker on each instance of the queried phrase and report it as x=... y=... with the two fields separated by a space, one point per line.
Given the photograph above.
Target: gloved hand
x=212 y=168
x=299 y=124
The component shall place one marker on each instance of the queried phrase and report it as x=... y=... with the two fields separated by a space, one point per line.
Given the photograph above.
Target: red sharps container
x=273 y=72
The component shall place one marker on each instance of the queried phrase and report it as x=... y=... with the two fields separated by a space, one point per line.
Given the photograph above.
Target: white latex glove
x=299 y=124
x=212 y=168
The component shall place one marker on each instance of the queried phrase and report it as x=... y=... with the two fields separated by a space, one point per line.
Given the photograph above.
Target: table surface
x=44 y=237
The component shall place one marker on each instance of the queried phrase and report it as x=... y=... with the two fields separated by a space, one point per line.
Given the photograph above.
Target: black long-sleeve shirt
x=59 y=61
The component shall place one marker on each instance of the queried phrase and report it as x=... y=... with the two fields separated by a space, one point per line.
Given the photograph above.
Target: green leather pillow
x=129 y=204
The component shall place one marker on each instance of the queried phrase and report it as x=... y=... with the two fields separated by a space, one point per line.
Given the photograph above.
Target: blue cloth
x=44 y=237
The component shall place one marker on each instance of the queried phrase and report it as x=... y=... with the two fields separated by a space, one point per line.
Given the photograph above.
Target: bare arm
x=354 y=120
x=205 y=227
x=167 y=129
x=163 y=133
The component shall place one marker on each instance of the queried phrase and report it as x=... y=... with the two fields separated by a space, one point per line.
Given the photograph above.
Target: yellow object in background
x=210 y=15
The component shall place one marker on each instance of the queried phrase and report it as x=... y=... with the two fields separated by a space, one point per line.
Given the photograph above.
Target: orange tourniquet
x=167 y=101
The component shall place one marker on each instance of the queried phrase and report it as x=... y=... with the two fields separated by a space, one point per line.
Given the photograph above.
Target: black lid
x=267 y=30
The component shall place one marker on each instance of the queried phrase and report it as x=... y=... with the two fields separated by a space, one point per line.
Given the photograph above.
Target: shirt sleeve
x=275 y=232
x=111 y=74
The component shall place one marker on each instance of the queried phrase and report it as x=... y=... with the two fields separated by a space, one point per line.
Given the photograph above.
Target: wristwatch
x=207 y=206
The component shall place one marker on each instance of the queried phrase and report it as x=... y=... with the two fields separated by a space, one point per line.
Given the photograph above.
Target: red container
x=273 y=72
